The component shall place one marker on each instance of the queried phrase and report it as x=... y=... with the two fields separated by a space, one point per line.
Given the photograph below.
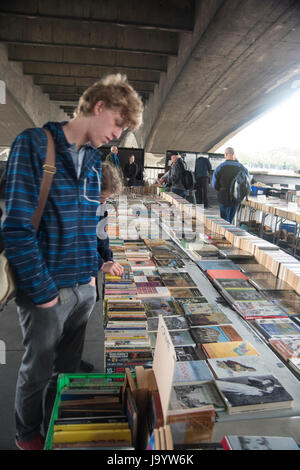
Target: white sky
x=277 y=128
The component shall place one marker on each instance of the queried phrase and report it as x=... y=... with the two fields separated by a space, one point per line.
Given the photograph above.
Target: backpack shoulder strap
x=49 y=171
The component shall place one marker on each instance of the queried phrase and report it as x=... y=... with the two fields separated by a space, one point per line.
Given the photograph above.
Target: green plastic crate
x=67 y=381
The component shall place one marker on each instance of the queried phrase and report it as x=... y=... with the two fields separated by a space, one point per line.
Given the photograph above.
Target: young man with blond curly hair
x=57 y=265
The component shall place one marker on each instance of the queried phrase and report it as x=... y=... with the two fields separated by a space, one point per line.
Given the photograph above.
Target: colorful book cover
x=215 y=334
x=287 y=347
x=230 y=349
x=184 y=293
x=278 y=327
x=166 y=307
x=216 y=265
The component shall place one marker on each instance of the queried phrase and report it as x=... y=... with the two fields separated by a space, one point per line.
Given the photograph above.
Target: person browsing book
x=221 y=181
x=56 y=267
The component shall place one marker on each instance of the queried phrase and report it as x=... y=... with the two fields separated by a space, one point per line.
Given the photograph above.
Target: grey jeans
x=53 y=339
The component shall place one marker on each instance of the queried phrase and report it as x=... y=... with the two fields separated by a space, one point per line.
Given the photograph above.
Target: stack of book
x=91 y=415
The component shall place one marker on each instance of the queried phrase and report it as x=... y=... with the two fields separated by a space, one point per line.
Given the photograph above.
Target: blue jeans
x=53 y=338
x=228 y=212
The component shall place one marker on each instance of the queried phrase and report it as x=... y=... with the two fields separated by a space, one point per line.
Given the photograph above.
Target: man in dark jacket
x=130 y=172
x=221 y=181
x=202 y=170
x=174 y=177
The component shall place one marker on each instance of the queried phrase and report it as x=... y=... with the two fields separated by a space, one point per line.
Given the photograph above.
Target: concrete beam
x=169 y=15
x=79 y=34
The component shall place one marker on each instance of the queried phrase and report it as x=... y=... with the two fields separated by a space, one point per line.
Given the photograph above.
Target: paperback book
x=206 y=319
x=195 y=396
x=192 y=371
x=253 y=393
x=237 y=366
x=230 y=349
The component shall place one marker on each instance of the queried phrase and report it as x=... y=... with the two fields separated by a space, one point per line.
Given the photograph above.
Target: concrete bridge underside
x=204 y=69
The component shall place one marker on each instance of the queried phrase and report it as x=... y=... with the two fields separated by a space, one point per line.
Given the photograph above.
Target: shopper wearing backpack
x=223 y=181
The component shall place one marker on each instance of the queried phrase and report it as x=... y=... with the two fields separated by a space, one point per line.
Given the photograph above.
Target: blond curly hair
x=116 y=93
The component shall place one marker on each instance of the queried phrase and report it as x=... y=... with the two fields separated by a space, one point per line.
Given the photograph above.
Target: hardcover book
x=233 y=284
x=243 y=295
x=225 y=274
x=215 y=334
x=184 y=293
x=287 y=347
x=253 y=310
x=177 y=279
x=277 y=327
x=193 y=307
x=166 y=307
x=253 y=393
x=206 y=319
x=216 y=265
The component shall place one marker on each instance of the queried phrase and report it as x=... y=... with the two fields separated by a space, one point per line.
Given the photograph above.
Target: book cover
x=207 y=319
x=216 y=265
x=172 y=323
x=179 y=338
x=237 y=366
x=184 y=293
x=244 y=295
x=277 y=327
x=195 y=397
x=229 y=284
x=287 y=347
x=177 y=279
x=192 y=371
x=202 y=307
x=253 y=393
x=186 y=353
x=215 y=334
x=149 y=291
x=230 y=349
x=259 y=443
x=253 y=310
x=225 y=274
x=165 y=307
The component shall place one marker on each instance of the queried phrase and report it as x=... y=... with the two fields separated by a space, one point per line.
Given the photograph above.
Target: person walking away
x=222 y=179
x=202 y=172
